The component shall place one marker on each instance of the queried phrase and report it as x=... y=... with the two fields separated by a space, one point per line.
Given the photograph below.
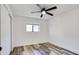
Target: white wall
x=64 y=30
x=0 y=25
x=21 y=37
x=5 y=31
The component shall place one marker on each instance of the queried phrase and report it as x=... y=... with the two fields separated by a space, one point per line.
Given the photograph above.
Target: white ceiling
x=26 y=9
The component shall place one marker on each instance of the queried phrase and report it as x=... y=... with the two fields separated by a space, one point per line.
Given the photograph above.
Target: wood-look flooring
x=41 y=49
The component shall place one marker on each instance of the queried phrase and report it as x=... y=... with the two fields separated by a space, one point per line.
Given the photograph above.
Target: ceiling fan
x=44 y=10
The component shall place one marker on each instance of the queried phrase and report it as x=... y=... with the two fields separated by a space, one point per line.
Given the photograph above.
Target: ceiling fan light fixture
x=43 y=12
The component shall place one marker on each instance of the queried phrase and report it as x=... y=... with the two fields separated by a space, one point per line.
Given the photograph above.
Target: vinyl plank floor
x=40 y=49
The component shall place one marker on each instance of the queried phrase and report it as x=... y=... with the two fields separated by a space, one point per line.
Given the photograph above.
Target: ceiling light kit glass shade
x=43 y=12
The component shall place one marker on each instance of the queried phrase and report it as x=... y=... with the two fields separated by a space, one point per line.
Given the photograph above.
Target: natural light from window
x=32 y=28
x=29 y=28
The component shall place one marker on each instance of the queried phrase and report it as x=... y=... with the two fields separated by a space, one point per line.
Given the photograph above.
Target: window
x=29 y=28
x=32 y=28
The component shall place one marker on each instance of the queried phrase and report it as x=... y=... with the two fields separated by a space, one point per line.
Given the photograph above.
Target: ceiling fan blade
x=36 y=12
x=39 y=6
x=51 y=8
x=49 y=13
x=41 y=15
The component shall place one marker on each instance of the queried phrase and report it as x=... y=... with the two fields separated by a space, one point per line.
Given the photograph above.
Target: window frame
x=33 y=27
